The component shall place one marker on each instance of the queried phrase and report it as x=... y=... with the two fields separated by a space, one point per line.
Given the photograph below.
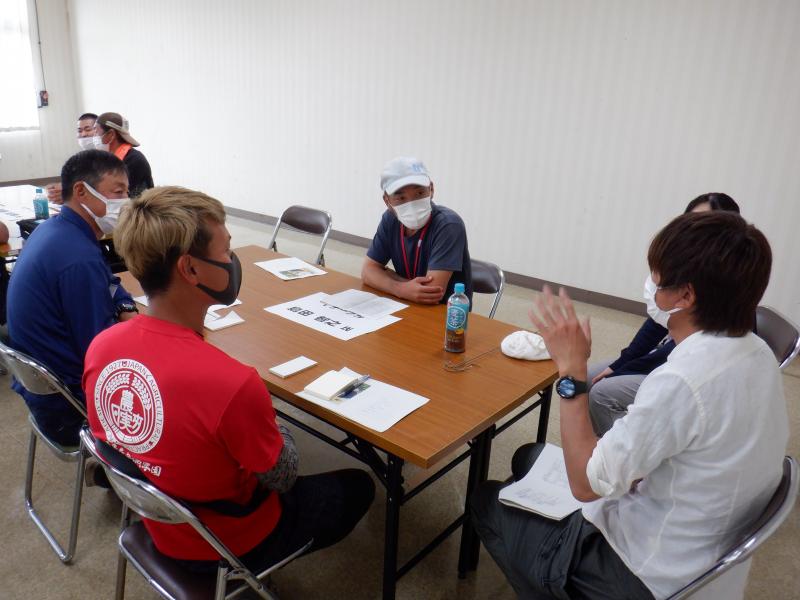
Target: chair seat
x=166 y=573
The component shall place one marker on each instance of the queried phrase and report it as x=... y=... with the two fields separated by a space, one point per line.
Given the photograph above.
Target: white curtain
x=17 y=88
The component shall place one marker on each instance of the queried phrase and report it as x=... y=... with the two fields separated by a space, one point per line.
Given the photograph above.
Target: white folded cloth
x=526 y=345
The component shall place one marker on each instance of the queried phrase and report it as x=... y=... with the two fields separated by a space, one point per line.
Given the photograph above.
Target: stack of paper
x=290 y=268
x=375 y=404
x=545 y=489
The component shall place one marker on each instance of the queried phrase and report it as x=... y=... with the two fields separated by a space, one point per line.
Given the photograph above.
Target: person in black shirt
x=111 y=133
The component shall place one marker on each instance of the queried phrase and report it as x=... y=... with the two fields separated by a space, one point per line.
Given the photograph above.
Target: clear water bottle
x=40 y=208
x=455 y=335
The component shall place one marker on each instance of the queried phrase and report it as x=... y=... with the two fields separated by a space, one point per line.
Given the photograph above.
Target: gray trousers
x=545 y=559
x=610 y=397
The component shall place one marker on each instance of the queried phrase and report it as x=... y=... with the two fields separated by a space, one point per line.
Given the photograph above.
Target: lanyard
x=409 y=275
x=122 y=151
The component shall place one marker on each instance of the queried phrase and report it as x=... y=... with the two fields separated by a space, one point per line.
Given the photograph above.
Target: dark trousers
x=543 y=558
x=325 y=507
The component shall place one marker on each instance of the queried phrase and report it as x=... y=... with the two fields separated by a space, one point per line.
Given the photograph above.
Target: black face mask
x=234 y=268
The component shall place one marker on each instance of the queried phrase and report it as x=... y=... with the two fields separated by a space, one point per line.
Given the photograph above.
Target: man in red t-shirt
x=199 y=424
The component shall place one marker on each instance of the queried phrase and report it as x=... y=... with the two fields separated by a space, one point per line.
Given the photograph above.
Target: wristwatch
x=126 y=307
x=568 y=387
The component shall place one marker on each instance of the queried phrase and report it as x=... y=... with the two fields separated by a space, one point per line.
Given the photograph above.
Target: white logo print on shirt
x=129 y=406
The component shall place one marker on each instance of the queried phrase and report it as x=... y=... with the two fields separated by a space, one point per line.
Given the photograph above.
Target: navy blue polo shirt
x=444 y=248
x=61 y=294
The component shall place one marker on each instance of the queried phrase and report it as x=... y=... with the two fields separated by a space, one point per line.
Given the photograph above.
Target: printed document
x=317 y=312
x=290 y=268
x=545 y=489
x=365 y=303
x=374 y=404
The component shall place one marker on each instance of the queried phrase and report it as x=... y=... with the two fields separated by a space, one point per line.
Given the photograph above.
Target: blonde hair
x=160 y=226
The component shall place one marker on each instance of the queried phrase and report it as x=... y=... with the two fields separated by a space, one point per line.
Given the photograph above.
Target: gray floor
x=351 y=569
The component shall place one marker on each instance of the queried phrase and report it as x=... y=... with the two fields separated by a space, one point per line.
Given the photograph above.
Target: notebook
x=330 y=385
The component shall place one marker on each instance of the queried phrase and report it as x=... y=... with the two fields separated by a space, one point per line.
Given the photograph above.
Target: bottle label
x=456 y=317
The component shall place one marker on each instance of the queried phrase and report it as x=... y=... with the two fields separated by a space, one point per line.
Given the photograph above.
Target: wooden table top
x=408 y=354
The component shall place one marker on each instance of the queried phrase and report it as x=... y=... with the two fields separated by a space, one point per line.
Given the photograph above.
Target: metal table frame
x=389 y=473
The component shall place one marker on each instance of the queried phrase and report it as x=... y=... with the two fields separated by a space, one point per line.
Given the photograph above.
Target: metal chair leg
x=65 y=556
x=122 y=562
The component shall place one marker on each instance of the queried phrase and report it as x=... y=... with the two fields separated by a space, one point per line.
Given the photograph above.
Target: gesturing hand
x=568 y=340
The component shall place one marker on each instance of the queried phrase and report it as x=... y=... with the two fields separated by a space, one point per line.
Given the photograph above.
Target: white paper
x=316 y=312
x=212 y=310
x=365 y=303
x=545 y=489
x=290 y=367
x=377 y=405
x=290 y=268
x=215 y=323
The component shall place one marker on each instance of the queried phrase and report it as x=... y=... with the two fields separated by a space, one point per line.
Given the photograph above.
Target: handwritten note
x=545 y=489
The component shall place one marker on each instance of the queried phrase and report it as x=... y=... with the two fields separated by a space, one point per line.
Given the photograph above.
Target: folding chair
x=306 y=220
x=776 y=512
x=38 y=379
x=780 y=334
x=488 y=278
x=167 y=576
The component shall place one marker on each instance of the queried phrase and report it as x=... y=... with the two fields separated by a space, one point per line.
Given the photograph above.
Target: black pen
x=353 y=386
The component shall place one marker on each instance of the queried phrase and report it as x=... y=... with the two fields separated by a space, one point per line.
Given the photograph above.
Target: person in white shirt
x=671 y=486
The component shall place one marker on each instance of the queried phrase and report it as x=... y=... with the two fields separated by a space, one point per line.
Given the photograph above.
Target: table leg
x=544 y=414
x=478 y=472
x=394 y=499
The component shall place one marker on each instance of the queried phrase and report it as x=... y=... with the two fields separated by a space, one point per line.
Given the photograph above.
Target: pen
x=353 y=386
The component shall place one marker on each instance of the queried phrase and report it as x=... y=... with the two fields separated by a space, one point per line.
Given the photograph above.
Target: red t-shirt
x=198 y=423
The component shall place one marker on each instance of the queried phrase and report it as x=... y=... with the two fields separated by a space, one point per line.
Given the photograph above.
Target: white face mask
x=97 y=143
x=414 y=214
x=86 y=143
x=658 y=315
x=113 y=208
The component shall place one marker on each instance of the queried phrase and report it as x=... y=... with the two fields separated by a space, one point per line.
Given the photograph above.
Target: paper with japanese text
x=315 y=311
x=290 y=268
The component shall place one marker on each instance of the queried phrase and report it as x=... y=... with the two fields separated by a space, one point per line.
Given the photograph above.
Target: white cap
x=402 y=171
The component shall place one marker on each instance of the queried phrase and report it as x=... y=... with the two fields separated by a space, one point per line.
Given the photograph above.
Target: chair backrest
x=780 y=333
x=777 y=510
x=488 y=278
x=37 y=378
x=148 y=501
x=307 y=220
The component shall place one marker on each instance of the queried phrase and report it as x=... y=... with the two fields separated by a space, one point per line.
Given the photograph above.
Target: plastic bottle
x=40 y=208
x=455 y=335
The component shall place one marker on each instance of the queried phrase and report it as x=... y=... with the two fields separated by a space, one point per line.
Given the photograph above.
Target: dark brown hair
x=715 y=201
x=726 y=260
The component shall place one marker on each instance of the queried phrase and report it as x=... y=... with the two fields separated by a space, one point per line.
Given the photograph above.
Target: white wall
x=40 y=153
x=564 y=132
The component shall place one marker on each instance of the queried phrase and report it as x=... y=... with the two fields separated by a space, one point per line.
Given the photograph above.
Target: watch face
x=566 y=388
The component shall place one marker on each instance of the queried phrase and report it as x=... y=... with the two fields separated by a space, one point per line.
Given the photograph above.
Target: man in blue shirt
x=426 y=243
x=62 y=292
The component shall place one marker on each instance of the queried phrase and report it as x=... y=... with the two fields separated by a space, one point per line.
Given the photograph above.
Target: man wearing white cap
x=112 y=134
x=426 y=243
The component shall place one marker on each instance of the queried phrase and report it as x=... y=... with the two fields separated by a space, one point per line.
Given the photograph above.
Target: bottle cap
x=458 y=288
x=38 y=190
